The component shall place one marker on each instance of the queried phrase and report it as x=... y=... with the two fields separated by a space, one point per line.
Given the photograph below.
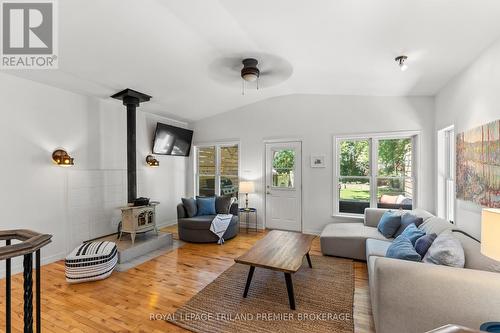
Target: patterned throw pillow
x=389 y=223
x=446 y=250
x=406 y=220
x=423 y=244
x=402 y=248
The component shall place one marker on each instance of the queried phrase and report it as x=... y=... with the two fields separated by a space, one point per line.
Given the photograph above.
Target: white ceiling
x=165 y=47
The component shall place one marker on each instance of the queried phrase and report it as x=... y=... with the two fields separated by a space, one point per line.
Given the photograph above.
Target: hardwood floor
x=125 y=301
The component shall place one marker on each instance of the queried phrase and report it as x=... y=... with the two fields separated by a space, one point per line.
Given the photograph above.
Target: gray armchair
x=196 y=229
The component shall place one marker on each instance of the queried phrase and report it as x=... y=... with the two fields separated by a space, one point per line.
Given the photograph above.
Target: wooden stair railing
x=30 y=242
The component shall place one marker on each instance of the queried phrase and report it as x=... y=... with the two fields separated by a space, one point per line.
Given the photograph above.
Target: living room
x=268 y=148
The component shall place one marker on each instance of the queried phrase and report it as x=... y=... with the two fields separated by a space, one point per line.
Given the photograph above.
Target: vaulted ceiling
x=168 y=48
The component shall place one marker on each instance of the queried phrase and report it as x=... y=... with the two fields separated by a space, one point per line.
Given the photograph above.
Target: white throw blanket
x=219 y=226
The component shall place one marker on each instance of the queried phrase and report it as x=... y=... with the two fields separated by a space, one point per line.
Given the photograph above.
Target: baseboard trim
x=17 y=264
x=166 y=223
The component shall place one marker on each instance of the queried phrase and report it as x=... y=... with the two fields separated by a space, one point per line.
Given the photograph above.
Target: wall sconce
x=61 y=158
x=152 y=161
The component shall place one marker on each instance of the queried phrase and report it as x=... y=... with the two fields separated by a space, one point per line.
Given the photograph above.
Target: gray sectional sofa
x=417 y=297
x=196 y=229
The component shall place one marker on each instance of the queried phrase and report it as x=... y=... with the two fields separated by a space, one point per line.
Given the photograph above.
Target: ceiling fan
x=264 y=69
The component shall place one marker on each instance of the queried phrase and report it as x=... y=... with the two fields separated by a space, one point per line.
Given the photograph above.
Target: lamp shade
x=490 y=233
x=247 y=187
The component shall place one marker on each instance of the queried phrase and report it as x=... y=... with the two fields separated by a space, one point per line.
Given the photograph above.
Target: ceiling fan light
x=250 y=77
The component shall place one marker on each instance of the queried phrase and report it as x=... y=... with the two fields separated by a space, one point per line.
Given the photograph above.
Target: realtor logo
x=28 y=35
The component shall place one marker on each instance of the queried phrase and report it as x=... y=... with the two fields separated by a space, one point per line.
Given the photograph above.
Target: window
x=217 y=170
x=283 y=168
x=374 y=171
x=446 y=173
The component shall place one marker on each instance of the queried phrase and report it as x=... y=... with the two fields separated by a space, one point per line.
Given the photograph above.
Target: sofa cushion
x=347 y=239
x=197 y=222
x=376 y=247
x=446 y=250
x=435 y=225
x=419 y=212
x=190 y=206
x=412 y=233
x=406 y=220
x=389 y=223
x=423 y=244
x=402 y=248
x=206 y=205
x=373 y=215
x=222 y=204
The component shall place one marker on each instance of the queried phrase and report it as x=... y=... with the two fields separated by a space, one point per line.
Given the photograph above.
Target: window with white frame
x=375 y=170
x=217 y=169
x=446 y=173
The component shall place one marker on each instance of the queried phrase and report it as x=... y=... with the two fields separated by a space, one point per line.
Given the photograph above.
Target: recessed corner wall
x=83 y=201
x=471 y=99
x=315 y=119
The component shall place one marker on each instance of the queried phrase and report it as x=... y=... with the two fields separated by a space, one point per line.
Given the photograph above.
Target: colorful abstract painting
x=478 y=165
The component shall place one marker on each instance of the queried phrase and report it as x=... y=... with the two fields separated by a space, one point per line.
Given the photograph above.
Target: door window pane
x=284 y=168
x=354 y=194
x=395 y=193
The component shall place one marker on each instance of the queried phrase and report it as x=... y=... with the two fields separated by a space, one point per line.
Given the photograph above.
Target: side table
x=247 y=212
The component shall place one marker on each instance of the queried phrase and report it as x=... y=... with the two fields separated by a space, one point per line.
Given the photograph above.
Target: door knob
x=268 y=192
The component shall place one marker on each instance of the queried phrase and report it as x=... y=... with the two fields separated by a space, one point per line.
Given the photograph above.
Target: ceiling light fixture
x=401 y=60
x=250 y=72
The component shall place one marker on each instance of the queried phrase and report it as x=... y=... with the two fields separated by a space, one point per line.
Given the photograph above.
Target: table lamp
x=490 y=247
x=246 y=187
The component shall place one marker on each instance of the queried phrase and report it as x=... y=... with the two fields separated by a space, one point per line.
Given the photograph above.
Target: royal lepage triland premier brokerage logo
x=29 y=39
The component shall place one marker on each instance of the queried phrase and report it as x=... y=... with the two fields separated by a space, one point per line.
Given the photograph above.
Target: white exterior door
x=284 y=186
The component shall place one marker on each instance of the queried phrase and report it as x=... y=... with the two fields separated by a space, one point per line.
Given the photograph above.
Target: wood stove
x=135 y=219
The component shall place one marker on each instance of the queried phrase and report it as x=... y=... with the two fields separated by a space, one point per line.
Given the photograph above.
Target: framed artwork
x=478 y=165
x=318 y=161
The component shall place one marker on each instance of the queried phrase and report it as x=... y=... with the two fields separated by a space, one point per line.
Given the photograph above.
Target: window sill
x=349 y=217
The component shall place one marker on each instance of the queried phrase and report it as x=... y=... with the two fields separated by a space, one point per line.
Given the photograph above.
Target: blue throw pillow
x=412 y=233
x=406 y=220
x=402 y=248
x=389 y=223
x=206 y=205
x=424 y=243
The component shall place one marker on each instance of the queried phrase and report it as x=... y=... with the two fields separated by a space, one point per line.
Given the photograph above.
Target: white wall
x=315 y=119
x=471 y=99
x=80 y=202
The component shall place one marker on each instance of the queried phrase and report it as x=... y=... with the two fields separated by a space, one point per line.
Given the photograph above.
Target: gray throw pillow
x=222 y=204
x=446 y=250
x=190 y=206
x=406 y=220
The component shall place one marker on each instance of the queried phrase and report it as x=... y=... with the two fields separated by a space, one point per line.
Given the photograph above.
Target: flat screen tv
x=171 y=140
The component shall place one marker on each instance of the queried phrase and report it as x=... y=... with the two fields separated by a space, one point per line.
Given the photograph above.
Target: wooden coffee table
x=281 y=251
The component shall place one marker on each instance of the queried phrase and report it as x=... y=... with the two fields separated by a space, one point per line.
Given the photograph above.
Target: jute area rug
x=324 y=297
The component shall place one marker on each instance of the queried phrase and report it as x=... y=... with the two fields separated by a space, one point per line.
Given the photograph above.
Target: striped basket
x=91 y=261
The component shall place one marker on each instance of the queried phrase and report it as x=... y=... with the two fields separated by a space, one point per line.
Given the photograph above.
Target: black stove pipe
x=131 y=99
